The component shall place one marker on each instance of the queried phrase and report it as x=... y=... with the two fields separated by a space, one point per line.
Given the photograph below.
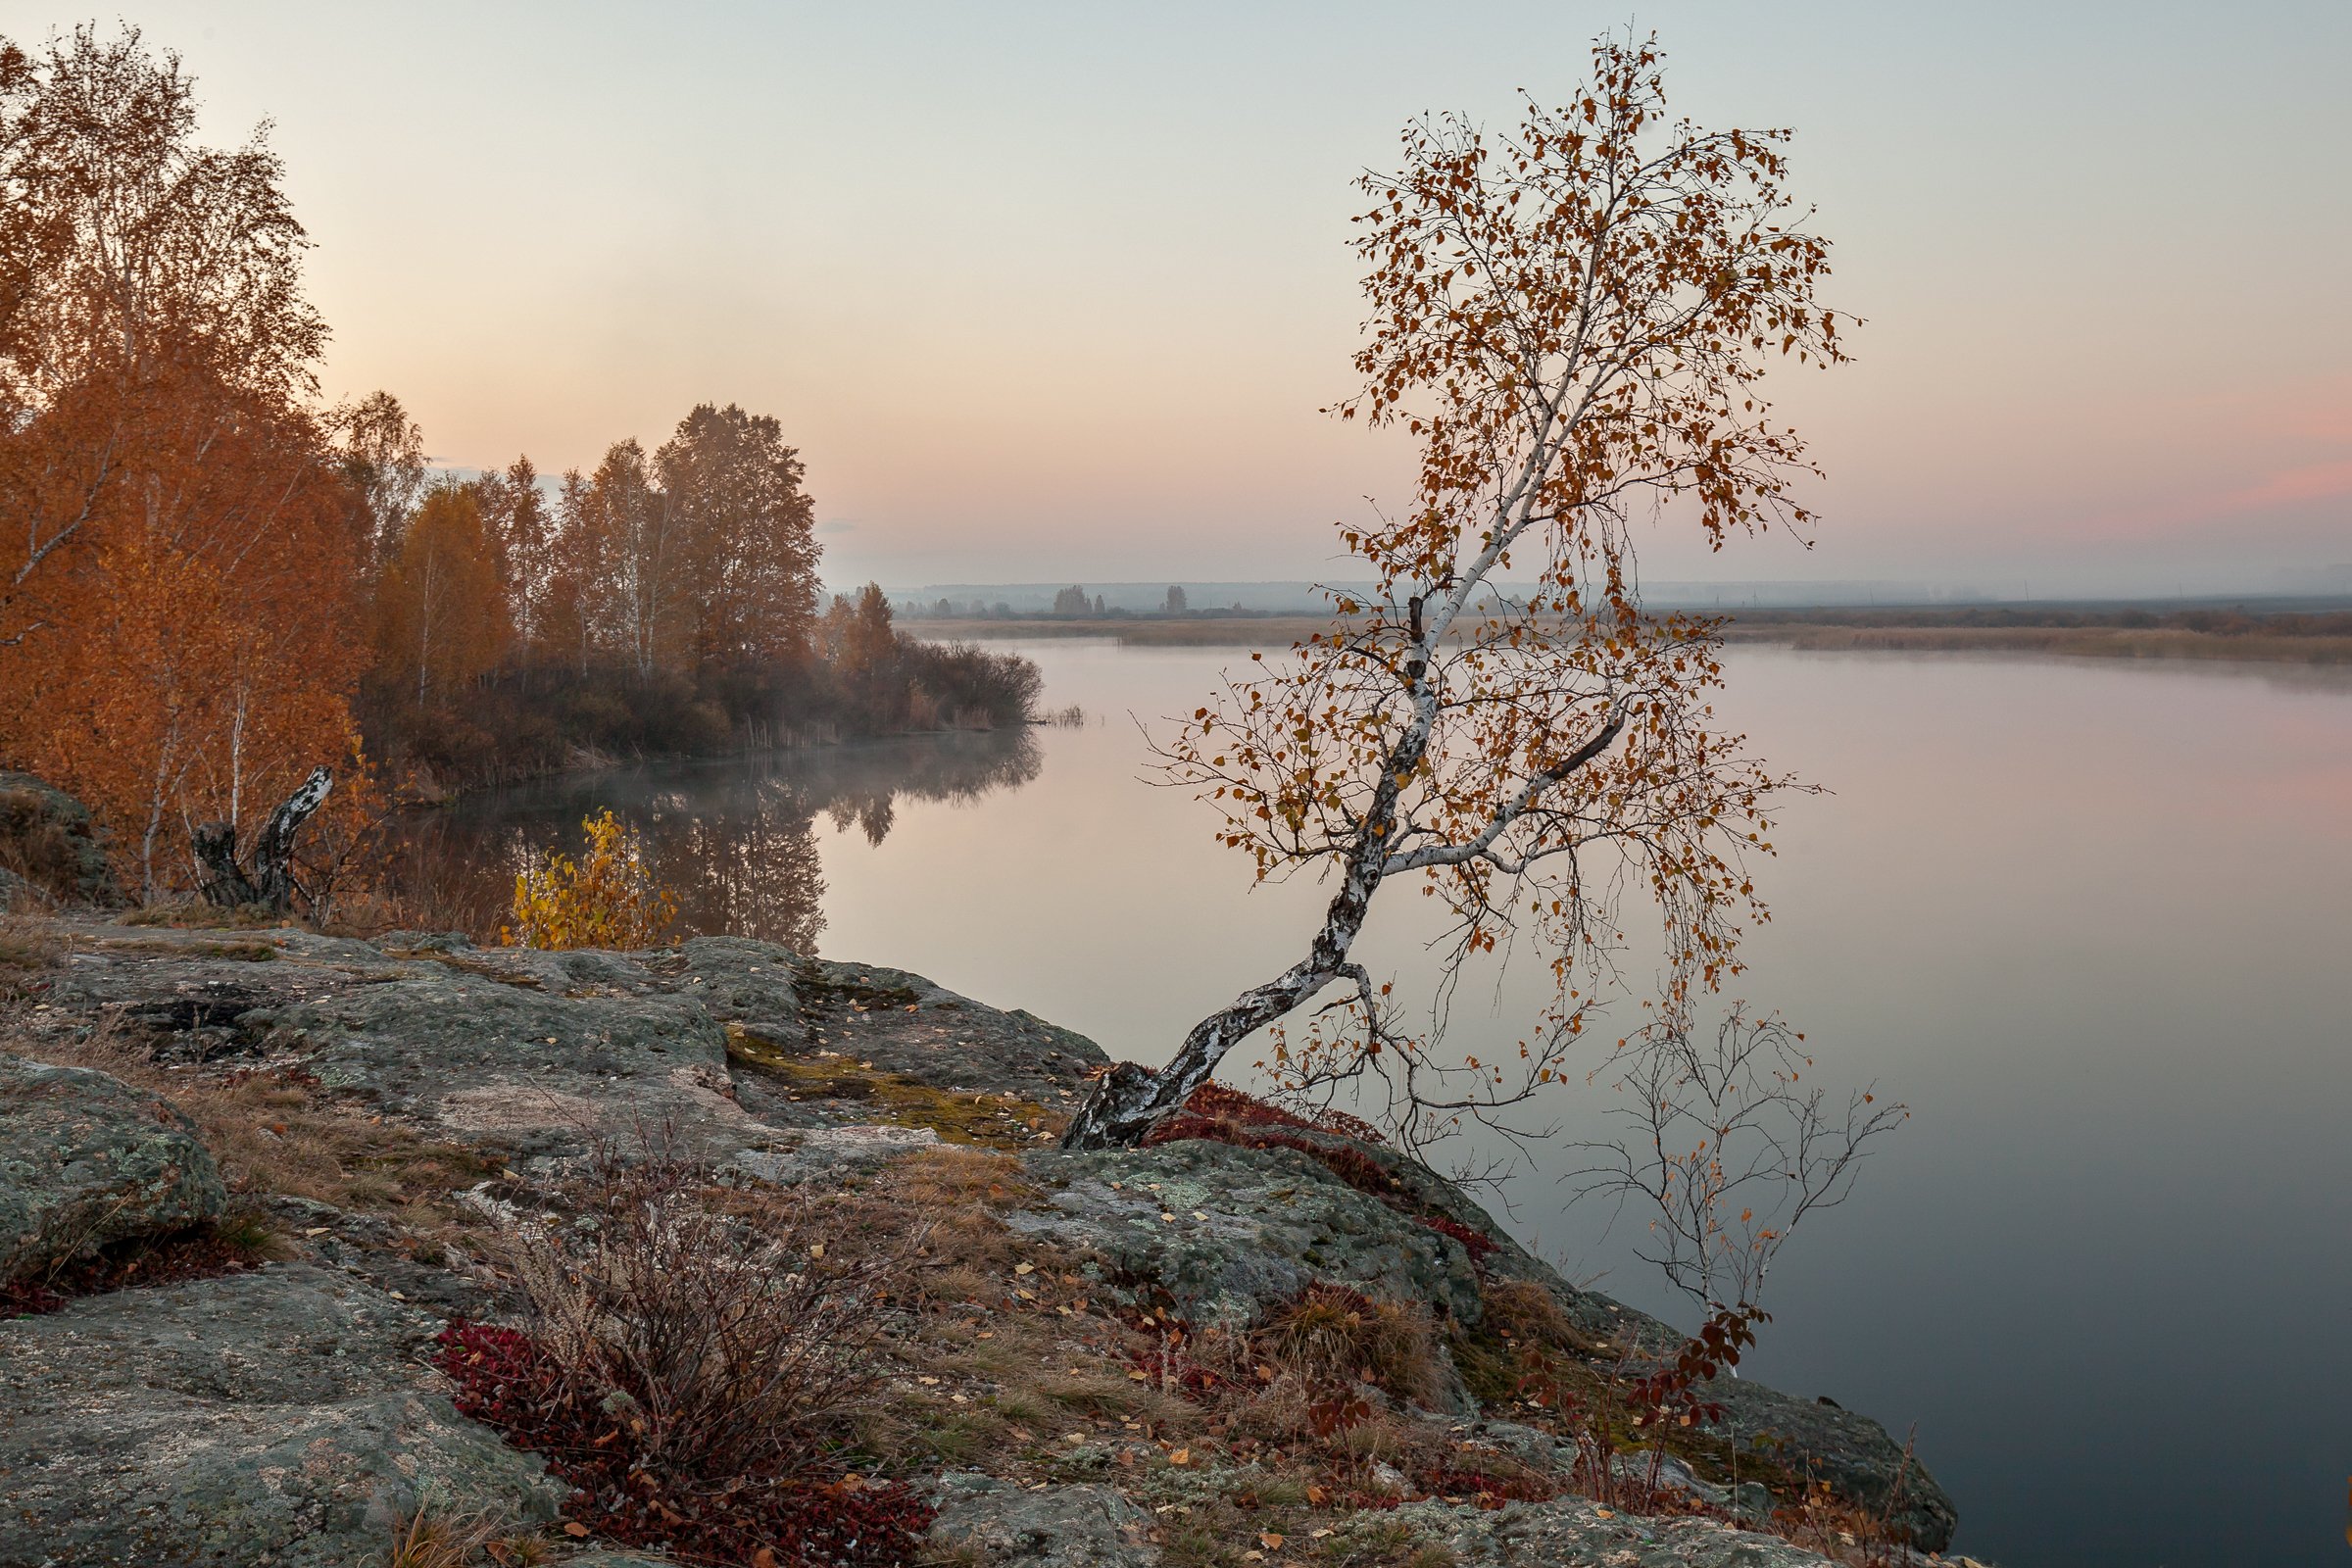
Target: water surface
x=2086 y=918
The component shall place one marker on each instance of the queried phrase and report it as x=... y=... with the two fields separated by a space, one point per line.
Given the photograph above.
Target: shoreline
x=1806 y=635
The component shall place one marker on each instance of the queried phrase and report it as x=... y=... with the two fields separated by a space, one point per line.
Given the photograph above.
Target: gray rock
x=56 y=839
x=1246 y=1228
x=902 y=1023
x=274 y=1417
x=829 y=1153
x=535 y=1053
x=86 y=1159
x=483 y=1058
x=1850 y=1452
x=1573 y=1531
x=540 y=1052
x=1061 y=1527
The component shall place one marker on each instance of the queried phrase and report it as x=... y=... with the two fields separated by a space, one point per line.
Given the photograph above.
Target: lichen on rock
x=86 y=1160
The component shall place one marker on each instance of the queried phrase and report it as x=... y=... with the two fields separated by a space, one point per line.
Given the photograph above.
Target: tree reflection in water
x=735 y=839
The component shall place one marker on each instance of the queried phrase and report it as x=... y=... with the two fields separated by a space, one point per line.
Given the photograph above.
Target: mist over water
x=2086 y=918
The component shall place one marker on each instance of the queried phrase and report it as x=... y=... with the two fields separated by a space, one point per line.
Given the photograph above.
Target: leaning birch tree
x=1572 y=321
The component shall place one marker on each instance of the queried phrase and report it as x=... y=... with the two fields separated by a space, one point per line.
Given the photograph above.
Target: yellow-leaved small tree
x=607 y=898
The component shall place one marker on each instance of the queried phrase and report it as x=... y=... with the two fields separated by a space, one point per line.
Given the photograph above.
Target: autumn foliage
x=606 y=899
x=1573 y=320
x=212 y=582
x=178 y=578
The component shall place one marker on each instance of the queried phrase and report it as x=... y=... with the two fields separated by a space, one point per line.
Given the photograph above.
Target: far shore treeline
x=212 y=580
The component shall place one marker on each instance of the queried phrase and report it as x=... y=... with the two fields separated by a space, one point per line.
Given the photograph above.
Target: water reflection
x=736 y=840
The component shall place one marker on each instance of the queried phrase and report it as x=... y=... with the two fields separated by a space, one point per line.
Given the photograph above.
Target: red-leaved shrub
x=507 y=1382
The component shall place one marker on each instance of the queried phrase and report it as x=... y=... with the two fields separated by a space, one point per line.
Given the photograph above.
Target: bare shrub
x=1728 y=1148
x=733 y=1345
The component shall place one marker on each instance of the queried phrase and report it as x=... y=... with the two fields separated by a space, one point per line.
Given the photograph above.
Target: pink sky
x=1056 y=292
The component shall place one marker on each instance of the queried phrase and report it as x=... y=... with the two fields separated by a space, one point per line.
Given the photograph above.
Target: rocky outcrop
x=286 y=1414
x=995 y=1524
x=1575 y=1530
x=541 y=1053
x=270 y=1418
x=86 y=1160
x=49 y=845
x=1229 y=1231
x=1852 y=1452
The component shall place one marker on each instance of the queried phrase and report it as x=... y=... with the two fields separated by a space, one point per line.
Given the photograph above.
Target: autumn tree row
x=211 y=582
x=699 y=557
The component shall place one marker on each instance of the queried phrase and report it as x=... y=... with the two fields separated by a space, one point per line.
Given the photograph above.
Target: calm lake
x=2088 y=919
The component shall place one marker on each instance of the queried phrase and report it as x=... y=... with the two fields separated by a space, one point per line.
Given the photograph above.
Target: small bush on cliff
x=692 y=1372
x=607 y=898
x=1331 y=1338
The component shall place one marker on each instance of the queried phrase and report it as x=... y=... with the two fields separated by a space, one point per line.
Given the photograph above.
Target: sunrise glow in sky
x=1057 y=291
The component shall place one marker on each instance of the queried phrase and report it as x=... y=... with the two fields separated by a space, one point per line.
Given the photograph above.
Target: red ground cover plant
x=506 y=1382
x=1477 y=1243
x=1225 y=1115
x=202 y=1254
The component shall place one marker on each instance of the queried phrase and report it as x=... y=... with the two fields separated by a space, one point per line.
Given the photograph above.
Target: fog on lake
x=2086 y=918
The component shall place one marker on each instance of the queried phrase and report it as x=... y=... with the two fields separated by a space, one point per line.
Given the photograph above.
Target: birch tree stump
x=268 y=880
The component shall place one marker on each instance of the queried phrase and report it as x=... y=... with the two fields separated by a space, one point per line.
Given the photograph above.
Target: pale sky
x=1054 y=292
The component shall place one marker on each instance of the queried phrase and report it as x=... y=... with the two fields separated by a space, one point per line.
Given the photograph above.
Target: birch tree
x=1573 y=320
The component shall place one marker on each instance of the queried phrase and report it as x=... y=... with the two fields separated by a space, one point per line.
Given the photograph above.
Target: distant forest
x=664 y=603
x=212 y=582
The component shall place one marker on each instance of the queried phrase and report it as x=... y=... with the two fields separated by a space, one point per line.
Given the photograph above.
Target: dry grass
x=1523 y=1312
x=30 y=948
x=279 y=1133
x=2109 y=642
x=194 y=914
x=2097 y=642
x=427 y=1539
x=1330 y=1338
